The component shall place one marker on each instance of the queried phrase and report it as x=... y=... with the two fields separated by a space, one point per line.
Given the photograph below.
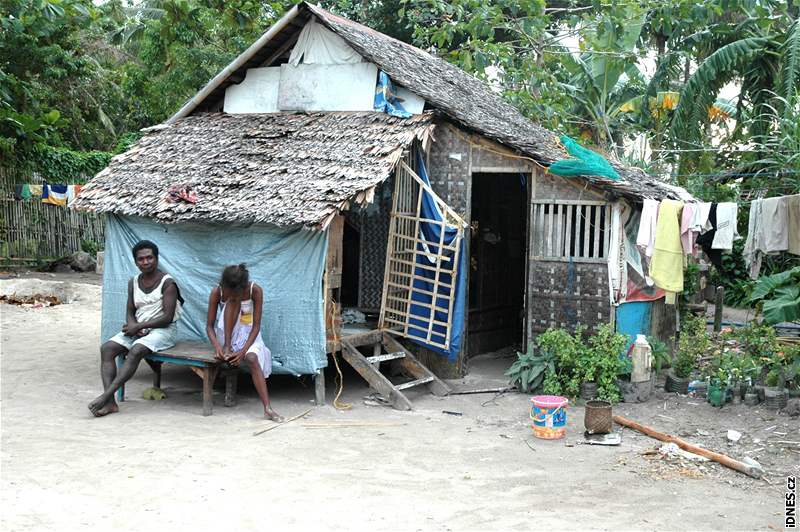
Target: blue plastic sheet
x=386 y=98
x=633 y=318
x=421 y=315
x=288 y=264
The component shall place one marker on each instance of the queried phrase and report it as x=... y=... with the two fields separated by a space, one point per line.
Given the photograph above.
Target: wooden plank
x=607 y=239
x=374 y=378
x=208 y=399
x=319 y=388
x=559 y=248
x=416 y=265
x=377 y=359
x=568 y=230
x=418 y=240
x=416 y=368
x=197 y=351
x=367 y=338
x=587 y=218
x=541 y=228
x=596 y=248
x=568 y=202
x=411 y=384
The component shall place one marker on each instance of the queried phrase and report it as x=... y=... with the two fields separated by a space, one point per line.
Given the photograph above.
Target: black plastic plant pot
x=677 y=385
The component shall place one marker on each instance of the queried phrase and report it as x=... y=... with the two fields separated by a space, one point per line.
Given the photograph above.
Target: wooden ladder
x=386 y=348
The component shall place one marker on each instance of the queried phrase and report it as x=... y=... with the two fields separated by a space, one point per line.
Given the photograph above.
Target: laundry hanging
x=667 y=263
x=726 y=227
x=768 y=230
x=793 y=221
x=54 y=194
x=646 y=237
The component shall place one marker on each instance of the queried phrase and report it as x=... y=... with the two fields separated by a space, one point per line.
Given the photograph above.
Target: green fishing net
x=586 y=163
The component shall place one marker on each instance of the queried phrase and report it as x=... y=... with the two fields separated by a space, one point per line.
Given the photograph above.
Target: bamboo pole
x=727 y=461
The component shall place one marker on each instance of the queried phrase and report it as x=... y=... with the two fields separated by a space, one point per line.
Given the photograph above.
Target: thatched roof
x=449 y=90
x=283 y=169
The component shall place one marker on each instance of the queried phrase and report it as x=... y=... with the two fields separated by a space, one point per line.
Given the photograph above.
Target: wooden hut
x=287 y=137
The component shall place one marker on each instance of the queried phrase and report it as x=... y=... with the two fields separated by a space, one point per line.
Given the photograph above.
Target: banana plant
x=779 y=296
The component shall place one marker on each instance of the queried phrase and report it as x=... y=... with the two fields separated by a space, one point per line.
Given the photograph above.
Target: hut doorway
x=351 y=257
x=497 y=261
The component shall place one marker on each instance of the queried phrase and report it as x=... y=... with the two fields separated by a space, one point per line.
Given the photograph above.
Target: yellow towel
x=666 y=268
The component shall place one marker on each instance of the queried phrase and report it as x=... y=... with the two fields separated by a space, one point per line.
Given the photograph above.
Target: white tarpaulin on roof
x=317 y=45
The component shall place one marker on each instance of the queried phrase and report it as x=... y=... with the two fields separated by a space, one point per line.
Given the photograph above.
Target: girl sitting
x=234 y=328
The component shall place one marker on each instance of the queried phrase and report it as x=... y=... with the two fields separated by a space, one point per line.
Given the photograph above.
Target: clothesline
x=773 y=227
x=52 y=194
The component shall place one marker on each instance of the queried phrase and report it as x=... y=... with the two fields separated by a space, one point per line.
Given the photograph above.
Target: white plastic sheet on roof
x=318 y=45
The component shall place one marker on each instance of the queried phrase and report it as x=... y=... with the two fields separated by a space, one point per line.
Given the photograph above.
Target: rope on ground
x=338 y=404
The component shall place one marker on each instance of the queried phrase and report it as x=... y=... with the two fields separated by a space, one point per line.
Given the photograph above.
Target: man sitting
x=154 y=306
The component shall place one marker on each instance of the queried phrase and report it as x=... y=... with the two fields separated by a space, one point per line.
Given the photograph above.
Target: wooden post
x=727 y=461
x=231 y=381
x=719 y=302
x=319 y=387
x=208 y=399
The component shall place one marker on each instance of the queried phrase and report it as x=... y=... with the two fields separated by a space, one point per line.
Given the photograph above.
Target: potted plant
x=602 y=361
x=692 y=344
x=528 y=372
x=565 y=348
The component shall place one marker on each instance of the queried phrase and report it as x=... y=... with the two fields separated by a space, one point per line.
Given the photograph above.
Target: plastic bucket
x=549 y=416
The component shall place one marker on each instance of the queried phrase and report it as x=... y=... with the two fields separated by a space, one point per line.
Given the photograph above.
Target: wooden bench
x=199 y=357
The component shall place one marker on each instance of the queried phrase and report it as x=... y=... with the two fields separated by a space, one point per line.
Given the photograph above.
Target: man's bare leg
x=108 y=371
x=135 y=355
x=260 y=382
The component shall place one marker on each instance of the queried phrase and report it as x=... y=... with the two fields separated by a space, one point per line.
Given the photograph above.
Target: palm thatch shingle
x=284 y=169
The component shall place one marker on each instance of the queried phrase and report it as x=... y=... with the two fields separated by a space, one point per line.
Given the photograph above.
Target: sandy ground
x=161 y=465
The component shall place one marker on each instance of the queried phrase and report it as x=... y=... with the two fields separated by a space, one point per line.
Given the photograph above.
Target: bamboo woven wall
x=31 y=231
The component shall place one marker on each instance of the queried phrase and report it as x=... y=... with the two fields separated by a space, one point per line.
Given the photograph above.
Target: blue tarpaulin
x=633 y=318
x=386 y=98
x=288 y=264
x=421 y=315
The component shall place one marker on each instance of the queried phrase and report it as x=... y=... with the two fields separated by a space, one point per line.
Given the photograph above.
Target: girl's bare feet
x=273 y=416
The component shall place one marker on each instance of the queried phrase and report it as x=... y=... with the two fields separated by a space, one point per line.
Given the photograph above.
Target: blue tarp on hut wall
x=288 y=264
x=634 y=318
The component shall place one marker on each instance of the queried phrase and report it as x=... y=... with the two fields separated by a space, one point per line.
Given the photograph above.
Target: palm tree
x=766 y=60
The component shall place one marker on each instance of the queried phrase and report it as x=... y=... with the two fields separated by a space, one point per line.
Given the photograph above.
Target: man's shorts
x=156 y=340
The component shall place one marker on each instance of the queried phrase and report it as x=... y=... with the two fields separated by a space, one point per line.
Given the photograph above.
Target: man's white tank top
x=150 y=306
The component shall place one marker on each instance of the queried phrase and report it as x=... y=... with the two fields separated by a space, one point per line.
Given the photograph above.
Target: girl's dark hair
x=235 y=277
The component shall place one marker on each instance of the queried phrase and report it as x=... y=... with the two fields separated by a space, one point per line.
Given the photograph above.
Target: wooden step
x=383 y=358
x=375 y=378
x=411 y=384
x=369 y=367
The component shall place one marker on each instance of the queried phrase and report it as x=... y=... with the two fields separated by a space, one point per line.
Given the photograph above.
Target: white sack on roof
x=318 y=45
x=327 y=87
x=257 y=93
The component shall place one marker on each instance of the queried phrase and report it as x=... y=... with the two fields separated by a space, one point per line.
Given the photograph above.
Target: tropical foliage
x=779 y=296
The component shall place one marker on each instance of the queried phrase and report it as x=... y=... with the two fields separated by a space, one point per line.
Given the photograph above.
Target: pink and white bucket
x=549 y=415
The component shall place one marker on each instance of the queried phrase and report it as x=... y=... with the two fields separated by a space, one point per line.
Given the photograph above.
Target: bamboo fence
x=31 y=231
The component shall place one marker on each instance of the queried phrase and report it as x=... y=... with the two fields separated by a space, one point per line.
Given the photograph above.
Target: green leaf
x=781 y=310
x=765 y=285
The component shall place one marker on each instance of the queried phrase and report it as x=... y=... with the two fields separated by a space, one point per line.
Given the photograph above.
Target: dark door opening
x=497 y=261
x=351 y=254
